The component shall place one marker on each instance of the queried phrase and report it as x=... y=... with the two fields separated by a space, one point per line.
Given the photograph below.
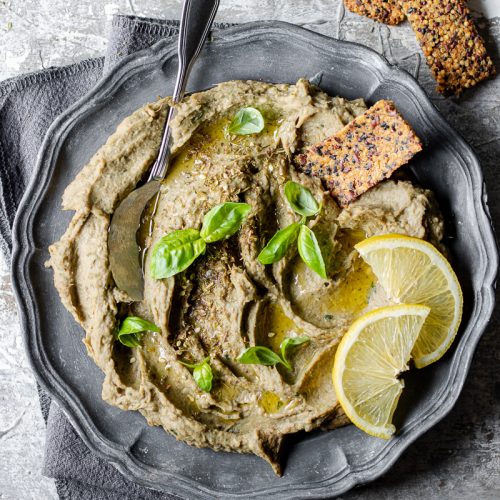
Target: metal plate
x=318 y=464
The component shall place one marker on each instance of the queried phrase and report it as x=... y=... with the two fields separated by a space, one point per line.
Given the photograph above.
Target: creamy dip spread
x=227 y=301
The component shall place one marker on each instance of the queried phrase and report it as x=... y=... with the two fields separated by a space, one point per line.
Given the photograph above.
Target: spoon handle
x=196 y=20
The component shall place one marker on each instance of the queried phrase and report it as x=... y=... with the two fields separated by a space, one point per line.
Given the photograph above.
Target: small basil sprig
x=247 y=121
x=290 y=342
x=260 y=355
x=310 y=252
x=278 y=245
x=132 y=328
x=303 y=203
x=202 y=374
x=176 y=251
x=301 y=199
x=223 y=221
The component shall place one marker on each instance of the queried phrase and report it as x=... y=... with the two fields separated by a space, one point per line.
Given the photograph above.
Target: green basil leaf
x=259 y=355
x=301 y=199
x=278 y=245
x=188 y=365
x=290 y=342
x=203 y=376
x=310 y=252
x=223 y=221
x=131 y=328
x=175 y=252
x=136 y=324
x=247 y=121
x=130 y=339
x=194 y=365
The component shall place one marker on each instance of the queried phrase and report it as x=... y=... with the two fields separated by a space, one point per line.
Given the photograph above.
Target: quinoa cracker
x=451 y=43
x=384 y=11
x=365 y=152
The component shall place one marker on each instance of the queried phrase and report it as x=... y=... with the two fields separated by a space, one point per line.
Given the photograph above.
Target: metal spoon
x=196 y=20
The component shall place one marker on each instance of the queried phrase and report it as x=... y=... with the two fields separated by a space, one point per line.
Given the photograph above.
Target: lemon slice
x=370 y=356
x=413 y=271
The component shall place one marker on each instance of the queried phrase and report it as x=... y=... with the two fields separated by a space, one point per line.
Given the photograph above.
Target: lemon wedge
x=371 y=355
x=413 y=271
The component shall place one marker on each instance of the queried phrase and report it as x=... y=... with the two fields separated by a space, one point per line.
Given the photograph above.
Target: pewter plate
x=318 y=464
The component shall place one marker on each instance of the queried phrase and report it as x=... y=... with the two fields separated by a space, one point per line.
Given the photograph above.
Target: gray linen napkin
x=28 y=105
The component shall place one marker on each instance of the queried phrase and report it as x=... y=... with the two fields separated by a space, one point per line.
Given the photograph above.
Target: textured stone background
x=460 y=458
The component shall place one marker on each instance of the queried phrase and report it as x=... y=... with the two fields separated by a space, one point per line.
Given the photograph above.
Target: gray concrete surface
x=458 y=459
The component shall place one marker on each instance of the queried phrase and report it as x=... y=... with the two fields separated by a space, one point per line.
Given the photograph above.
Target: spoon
x=196 y=20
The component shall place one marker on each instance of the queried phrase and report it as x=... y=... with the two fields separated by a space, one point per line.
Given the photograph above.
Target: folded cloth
x=28 y=105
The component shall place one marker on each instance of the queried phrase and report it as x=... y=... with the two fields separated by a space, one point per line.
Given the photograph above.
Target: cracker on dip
x=365 y=152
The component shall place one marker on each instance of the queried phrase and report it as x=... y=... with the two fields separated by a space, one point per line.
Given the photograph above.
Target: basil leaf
x=223 y=221
x=289 y=342
x=175 y=252
x=259 y=355
x=188 y=365
x=301 y=199
x=131 y=328
x=136 y=324
x=203 y=376
x=278 y=245
x=310 y=252
x=247 y=121
x=130 y=339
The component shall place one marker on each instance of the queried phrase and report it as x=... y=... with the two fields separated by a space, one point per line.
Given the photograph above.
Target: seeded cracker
x=384 y=11
x=365 y=152
x=454 y=49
